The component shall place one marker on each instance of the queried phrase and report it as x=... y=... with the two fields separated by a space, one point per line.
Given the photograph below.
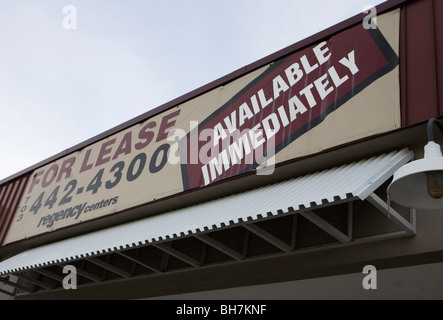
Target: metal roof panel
x=357 y=179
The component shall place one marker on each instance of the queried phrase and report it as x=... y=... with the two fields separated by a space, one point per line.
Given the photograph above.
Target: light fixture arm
x=431 y=122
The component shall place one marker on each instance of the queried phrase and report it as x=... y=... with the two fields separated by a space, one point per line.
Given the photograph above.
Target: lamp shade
x=409 y=186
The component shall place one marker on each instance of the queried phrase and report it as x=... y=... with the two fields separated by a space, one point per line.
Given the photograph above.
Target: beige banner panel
x=330 y=93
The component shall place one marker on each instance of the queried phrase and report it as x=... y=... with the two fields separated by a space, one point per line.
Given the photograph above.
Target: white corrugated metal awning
x=358 y=179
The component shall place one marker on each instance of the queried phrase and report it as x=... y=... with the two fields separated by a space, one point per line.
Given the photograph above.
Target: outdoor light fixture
x=419 y=184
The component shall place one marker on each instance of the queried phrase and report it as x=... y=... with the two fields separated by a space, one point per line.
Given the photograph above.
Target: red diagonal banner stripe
x=292 y=96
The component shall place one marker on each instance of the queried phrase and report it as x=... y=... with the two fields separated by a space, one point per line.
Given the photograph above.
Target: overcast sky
x=70 y=70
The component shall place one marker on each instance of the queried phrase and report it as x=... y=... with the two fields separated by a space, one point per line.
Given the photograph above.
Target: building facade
x=266 y=183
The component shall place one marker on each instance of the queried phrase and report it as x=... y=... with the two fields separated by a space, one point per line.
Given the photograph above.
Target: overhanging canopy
x=249 y=211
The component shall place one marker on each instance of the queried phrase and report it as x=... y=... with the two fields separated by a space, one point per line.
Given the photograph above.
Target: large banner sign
x=335 y=91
